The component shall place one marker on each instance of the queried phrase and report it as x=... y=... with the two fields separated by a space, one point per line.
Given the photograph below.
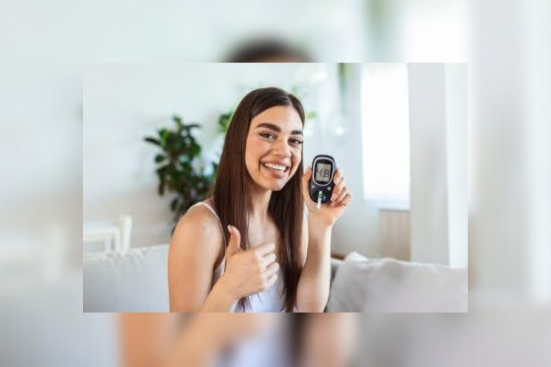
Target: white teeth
x=275 y=166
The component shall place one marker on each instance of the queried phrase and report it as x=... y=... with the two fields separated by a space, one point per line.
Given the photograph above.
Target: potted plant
x=177 y=166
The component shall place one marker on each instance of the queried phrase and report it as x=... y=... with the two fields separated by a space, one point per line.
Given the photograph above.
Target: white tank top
x=269 y=300
x=269 y=348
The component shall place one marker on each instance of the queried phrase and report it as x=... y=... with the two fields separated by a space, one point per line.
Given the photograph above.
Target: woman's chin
x=275 y=187
x=271 y=185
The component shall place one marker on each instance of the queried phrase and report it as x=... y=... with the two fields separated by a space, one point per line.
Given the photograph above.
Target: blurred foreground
x=507 y=46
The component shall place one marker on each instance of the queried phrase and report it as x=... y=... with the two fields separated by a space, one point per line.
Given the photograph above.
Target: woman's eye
x=268 y=136
x=296 y=141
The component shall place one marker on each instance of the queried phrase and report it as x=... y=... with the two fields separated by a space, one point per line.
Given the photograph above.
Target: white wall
x=429 y=185
x=439 y=163
x=537 y=117
x=499 y=230
x=125 y=102
x=457 y=163
x=358 y=228
x=41 y=140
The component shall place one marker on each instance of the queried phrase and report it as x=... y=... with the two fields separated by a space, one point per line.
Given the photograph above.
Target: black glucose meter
x=321 y=183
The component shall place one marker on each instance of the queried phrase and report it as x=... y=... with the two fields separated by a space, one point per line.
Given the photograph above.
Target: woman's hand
x=204 y=337
x=248 y=271
x=330 y=212
x=222 y=329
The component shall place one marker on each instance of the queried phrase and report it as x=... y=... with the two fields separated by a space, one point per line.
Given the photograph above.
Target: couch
x=137 y=282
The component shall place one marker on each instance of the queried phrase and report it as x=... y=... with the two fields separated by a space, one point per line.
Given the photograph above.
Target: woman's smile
x=276 y=170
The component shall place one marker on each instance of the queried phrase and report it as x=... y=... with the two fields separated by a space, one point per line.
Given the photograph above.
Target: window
x=385 y=130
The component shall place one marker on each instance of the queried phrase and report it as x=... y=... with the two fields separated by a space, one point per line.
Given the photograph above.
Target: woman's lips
x=276 y=173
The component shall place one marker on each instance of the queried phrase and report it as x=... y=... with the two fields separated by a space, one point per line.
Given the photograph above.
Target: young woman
x=245 y=340
x=252 y=246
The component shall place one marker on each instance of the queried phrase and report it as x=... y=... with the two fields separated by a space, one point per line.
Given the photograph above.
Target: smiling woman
x=282 y=260
x=272 y=160
x=245 y=340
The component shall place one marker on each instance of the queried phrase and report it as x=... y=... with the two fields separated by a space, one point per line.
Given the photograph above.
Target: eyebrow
x=276 y=128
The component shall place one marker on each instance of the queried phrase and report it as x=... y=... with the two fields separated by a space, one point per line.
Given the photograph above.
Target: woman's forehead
x=285 y=117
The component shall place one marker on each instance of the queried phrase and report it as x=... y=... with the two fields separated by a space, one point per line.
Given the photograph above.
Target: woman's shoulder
x=201 y=217
x=200 y=227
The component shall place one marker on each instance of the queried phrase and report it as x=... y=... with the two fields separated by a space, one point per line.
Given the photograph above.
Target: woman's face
x=274 y=147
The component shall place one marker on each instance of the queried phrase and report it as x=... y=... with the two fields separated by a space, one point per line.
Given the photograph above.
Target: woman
x=325 y=340
x=251 y=246
x=269 y=340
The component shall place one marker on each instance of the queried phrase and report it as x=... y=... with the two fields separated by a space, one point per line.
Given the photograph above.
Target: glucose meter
x=321 y=183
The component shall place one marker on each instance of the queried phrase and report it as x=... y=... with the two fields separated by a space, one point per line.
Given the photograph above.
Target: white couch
x=131 y=282
x=137 y=282
x=388 y=285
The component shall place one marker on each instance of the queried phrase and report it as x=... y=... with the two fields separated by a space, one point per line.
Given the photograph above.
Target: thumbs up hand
x=234 y=245
x=248 y=271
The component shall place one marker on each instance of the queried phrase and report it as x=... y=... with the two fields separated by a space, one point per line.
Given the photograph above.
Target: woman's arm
x=145 y=338
x=194 y=347
x=314 y=283
x=328 y=340
x=169 y=340
x=194 y=253
x=205 y=336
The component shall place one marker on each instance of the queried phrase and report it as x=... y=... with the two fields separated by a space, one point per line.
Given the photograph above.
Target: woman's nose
x=282 y=149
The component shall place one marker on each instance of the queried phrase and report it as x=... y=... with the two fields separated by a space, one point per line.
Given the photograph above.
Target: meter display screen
x=323 y=172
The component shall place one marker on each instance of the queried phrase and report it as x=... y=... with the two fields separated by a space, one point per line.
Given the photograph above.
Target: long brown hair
x=286 y=207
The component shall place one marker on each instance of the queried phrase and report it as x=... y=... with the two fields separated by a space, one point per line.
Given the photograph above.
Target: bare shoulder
x=196 y=249
x=198 y=233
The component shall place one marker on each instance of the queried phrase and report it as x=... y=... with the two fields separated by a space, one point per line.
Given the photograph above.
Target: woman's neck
x=260 y=200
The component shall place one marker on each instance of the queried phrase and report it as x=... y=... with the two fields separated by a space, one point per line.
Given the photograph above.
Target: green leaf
x=164 y=134
x=161 y=171
x=224 y=121
x=177 y=119
x=152 y=141
x=311 y=115
x=161 y=187
x=179 y=123
x=174 y=203
x=195 y=150
x=188 y=127
x=175 y=163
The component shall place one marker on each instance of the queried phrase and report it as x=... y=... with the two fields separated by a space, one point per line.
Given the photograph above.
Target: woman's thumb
x=234 y=244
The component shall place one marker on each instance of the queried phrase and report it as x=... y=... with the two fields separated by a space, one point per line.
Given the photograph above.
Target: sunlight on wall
x=385 y=129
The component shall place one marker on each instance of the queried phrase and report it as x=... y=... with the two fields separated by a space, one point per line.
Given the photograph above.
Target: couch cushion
x=132 y=282
x=388 y=285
